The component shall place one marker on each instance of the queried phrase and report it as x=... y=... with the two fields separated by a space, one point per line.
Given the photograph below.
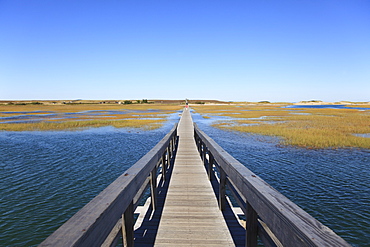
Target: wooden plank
x=153 y=187
x=252 y=227
x=289 y=223
x=164 y=166
x=190 y=214
x=128 y=226
x=210 y=166
x=222 y=190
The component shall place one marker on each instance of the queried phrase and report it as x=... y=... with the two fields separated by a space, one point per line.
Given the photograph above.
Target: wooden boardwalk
x=190 y=214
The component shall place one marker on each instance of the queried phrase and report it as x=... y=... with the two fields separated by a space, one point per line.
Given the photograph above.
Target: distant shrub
x=126 y=102
x=200 y=103
x=311 y=101
x=264 y=102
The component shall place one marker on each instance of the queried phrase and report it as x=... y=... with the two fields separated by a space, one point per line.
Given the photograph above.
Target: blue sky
x=226 y=50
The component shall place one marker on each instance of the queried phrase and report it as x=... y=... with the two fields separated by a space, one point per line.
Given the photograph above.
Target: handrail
x=269 y=214
x=115 y=205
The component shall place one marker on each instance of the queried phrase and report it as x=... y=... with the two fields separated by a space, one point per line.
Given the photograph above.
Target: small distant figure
x=186 y=104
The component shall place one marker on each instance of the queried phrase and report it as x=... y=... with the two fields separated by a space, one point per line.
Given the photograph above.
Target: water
x=46 y=177
x=327 y=106
x=331 y=185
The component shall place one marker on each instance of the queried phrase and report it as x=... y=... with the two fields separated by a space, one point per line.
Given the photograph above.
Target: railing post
x=210 y=166
x=170 y=149
x=201 y=149
x=204 y=154
x=174 y=143
x=128 y=226
x=168 y=156
x=252 y=227
x=164 y=166
x=153 y=186
x=222 y=190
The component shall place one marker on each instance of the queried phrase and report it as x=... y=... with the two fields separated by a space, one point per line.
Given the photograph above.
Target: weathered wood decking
x=191 y=216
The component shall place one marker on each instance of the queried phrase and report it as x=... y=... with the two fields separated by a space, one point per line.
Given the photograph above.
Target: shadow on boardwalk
x=146 y=234
x=236 y=230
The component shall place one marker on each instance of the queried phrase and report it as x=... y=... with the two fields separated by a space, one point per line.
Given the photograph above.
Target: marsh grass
x=86 y=107
x=317 y=128
x=73 y=125
x=128 y=118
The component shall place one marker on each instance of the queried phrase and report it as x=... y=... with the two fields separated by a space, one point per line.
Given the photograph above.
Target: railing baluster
x=164 y=166
x=201 y=150
x=210 y=166
x=128 y=226
x=174 y=143
x=168 y=156
x=171 y=148
x=153 y=187
x=222 y=190
x=204 y=154
x=252 y=227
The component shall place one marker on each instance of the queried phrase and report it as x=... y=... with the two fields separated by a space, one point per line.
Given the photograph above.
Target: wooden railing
x=269 y=214
x=103 y=219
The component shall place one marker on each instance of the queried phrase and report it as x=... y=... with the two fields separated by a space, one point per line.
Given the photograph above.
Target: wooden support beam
x=153 y=186
x=252 y=227
x=164 y=166
x=204 y=155
x=222 y=190
x=168 y=156
x=128 y=226
x=210 y=166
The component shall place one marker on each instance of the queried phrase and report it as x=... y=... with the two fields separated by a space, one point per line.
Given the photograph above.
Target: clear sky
x=286 y=50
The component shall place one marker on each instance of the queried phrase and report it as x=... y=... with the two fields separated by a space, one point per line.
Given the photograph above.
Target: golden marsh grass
x=72 y=125
x=86 y=107
x=306 y=127
x=122 y=119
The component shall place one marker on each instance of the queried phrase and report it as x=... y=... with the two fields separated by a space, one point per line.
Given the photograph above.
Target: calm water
x=46 y=177
x=328 y=106
x=331 y=185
